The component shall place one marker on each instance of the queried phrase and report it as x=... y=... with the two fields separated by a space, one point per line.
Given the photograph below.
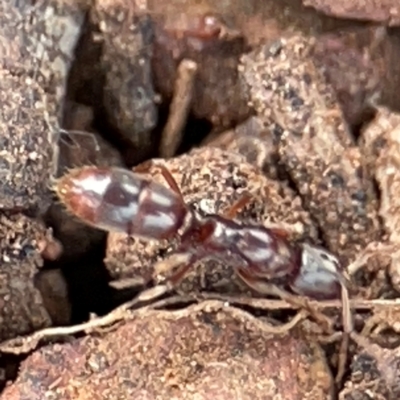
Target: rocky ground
x=293 y=102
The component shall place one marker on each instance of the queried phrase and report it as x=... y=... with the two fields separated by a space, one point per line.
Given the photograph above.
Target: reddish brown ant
x=115 y=199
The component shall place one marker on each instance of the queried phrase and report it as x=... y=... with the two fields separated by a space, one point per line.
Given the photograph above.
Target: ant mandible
x=115 y=199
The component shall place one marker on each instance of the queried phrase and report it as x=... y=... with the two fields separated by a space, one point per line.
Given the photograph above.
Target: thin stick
x=21 y=345
x=179 y=109
x=26 y=344
x=273 y=304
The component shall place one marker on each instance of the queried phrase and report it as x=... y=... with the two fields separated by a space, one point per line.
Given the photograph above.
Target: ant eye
x=330 y=258
x=324 y=256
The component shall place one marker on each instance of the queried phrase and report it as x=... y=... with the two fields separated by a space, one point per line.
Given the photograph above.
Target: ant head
x=320 y=275
x=315 y=258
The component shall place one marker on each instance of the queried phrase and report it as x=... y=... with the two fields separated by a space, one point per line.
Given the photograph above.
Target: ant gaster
x=115 y=199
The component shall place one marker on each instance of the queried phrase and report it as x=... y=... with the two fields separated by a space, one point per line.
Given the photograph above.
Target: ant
x=115 y=199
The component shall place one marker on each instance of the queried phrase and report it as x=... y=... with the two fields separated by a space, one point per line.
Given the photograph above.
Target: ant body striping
x=115 y=199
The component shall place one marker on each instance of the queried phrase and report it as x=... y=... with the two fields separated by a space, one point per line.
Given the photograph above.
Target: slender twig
x=26 y=344
x=179 y=108
x=272 y=304
x=22 y=345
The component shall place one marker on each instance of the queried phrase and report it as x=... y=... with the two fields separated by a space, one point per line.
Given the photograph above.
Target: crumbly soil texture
x=294 y=104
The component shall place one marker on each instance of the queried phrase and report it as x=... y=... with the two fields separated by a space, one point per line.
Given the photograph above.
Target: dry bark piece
x=291 y=94
x=206 y=351
x=211 y=180
x=184 y=30
x=374 y=372
x=36 y=47
x=128 y=95
x=384 y=11
x=21 y=307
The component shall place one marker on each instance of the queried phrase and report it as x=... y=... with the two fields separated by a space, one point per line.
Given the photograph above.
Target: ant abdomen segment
x=115 y=199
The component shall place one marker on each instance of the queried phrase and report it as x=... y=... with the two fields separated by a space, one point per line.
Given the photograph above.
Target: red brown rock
x=203 y=352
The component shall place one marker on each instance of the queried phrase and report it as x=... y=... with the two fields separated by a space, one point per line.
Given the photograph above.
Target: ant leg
x=280 y=233
x=233 y=210
x=146 y=167
x=182 y=261
x=348 y=328
x=261 y=286
x=170 y=180
x=265 y=288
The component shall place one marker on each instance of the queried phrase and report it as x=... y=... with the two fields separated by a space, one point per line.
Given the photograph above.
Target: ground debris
x=209 y=350
x=382 y=318
x=374 y=372
x=198 y=32
x=295 y=115
x=381 y=146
